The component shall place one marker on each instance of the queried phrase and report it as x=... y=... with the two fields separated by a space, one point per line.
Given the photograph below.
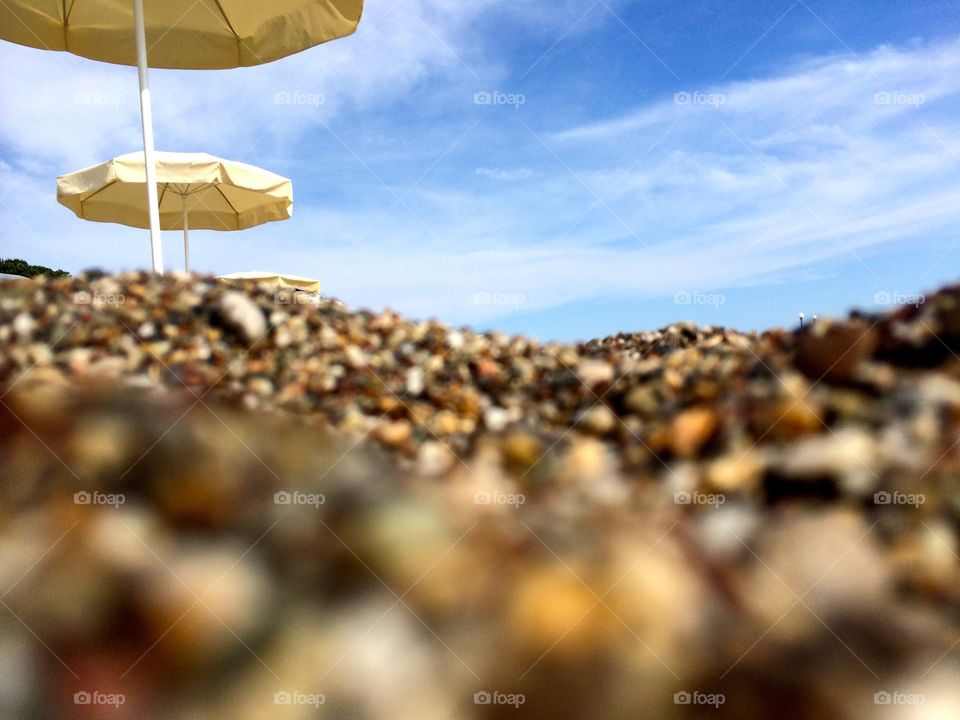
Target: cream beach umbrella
x=180 y=34
x=292 y=282
x=195 y=191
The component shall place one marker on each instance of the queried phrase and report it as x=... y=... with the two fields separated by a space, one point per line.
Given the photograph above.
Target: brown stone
x=692 y=429
x=834 y=352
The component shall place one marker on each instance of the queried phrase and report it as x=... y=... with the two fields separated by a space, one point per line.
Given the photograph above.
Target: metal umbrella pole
x=149 y=156
x=186 y=236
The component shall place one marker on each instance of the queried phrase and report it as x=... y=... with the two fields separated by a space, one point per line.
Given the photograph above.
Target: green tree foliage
x=16 y=266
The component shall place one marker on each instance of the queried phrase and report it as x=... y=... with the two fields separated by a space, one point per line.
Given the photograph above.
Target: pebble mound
x=222 y=502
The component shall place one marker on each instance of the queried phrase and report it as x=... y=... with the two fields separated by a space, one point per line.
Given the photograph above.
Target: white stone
x=595 y=372
x=414 y=381
x=496 y=418
x=244 y=314
x=23 y=325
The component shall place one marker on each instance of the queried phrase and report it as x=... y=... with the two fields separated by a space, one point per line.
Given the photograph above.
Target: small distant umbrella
x=281 y=280
x=196 y=191
x=181 y=34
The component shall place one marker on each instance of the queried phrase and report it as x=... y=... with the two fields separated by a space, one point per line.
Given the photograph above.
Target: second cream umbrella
x=196 y=191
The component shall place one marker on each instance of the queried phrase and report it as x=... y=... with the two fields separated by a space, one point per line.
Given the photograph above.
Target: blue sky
x=566 y=169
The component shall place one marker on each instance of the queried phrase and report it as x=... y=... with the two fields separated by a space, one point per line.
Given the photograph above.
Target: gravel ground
x=225 y=502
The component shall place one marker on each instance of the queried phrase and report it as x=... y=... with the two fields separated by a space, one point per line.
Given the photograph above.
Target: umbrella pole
x=186 y=238
x=149 y=158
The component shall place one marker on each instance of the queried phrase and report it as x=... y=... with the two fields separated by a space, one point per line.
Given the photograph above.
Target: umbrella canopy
x=196 y=191
x=284 y=281
x=182 y=34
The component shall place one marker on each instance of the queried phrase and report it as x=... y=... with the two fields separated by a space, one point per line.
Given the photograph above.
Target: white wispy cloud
x=68 y=110
x=830 y=161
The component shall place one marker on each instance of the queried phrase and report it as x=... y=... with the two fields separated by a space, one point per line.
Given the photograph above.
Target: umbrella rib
x=232 y=29
x=235 y=211
x=198 y=188
x=94 y=194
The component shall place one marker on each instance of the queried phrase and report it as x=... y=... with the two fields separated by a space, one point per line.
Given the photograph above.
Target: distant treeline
x=16 y=266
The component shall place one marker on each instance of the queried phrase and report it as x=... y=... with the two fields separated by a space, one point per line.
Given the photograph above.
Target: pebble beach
x=225 y=501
